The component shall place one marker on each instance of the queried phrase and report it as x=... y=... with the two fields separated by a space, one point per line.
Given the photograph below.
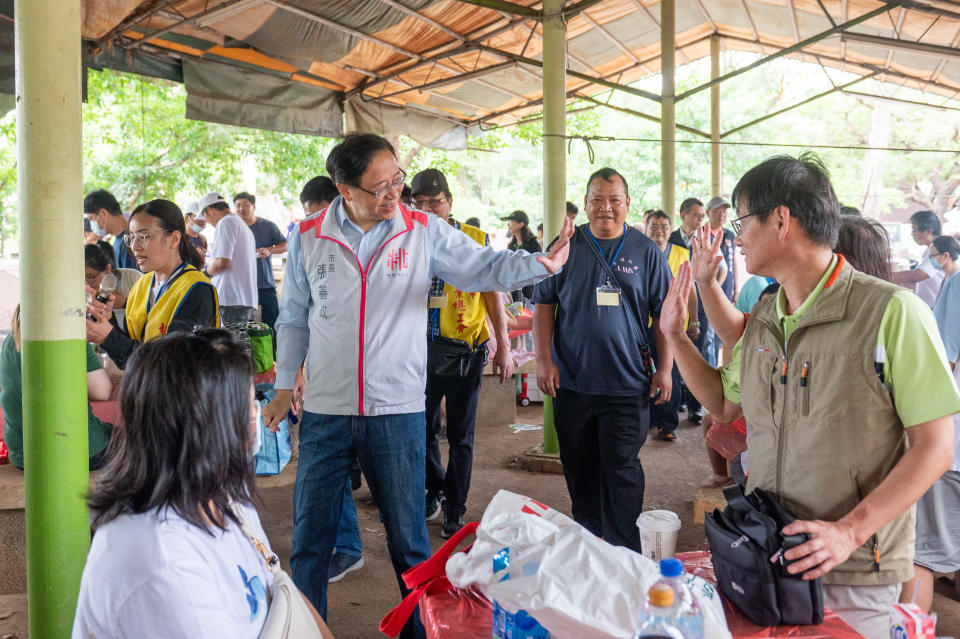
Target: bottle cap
x=671 y=567
x=661 y=596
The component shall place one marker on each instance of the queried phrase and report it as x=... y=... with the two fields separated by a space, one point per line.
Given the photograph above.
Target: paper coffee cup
x=659 y=530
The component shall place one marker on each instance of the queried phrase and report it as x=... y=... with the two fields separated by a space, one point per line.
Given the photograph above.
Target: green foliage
x=138 y=145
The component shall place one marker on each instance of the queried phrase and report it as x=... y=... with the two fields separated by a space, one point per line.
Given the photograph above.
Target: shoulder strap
x=639 y=333
x=269 y=558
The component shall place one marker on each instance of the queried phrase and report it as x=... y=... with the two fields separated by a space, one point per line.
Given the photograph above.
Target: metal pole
x=554 y=152
x=668 y=129
x=716 y=157
x=48 y=63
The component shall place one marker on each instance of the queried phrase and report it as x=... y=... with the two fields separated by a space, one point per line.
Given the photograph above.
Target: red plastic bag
x=426 y=578
x=4 y=453
x=726 y=439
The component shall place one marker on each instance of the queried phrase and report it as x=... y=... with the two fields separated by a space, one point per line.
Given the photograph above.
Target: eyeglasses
x=383 y=190
x=140 y=238
x=428 y=203
x=736 y=223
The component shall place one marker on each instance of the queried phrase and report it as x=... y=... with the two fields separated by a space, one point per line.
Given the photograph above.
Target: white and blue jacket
x=355 y=304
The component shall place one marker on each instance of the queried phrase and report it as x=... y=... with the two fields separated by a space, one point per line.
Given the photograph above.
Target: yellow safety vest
x=464 y=316
x=146 y=321
x=678 y=255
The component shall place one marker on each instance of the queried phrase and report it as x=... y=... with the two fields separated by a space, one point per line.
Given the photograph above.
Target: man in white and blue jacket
x=354 y=305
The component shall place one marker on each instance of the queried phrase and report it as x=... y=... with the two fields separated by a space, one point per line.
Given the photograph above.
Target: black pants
x=462 y=395
x=666 y=417
x=269 y=306
x=600 y=437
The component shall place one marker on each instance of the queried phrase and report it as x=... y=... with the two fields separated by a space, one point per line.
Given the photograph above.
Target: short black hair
x=948 y=244
x=802 y=184
x=191 y=456
x=101 y=199
x=243 y=195
x=98 y=256
x=659 y=214
x=608 y=174
x=473 y=221
x=689 y=203
x=849 y=210
x=218 y=206
x=572 y=209
x=350 y=158
x=317 y=190
x=927 y=221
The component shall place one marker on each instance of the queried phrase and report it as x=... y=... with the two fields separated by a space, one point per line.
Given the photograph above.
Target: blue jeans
x=391 y=450
x=348 y=530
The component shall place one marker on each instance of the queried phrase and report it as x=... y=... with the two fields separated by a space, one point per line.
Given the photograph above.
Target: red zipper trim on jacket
x=363 y=289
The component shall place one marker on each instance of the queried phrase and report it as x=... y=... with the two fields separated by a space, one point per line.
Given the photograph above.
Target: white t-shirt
x=233 y=240
x=158 y=576
x=928 y=289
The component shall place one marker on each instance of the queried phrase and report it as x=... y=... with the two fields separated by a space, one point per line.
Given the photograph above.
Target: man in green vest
x=457 y=336
x=834 y=376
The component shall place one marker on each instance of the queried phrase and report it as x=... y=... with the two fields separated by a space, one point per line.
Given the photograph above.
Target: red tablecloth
x=458 y=614
x=109 y=410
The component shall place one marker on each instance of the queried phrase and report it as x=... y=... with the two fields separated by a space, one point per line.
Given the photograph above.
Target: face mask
x=935 y=263
x=195 y=228
x=96 y=228
x=258 y=440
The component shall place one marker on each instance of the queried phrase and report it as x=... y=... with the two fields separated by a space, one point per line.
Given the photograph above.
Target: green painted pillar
x=554 y=152
x=49 y=173
x=668 y=129
x=716 y=152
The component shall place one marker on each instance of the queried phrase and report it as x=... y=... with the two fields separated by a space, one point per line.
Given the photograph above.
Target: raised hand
x=705 y=257
x=673 y=313
x=557 y=257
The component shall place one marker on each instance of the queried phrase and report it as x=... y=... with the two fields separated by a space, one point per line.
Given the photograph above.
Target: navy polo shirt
x=595 y=348
x=265 y=233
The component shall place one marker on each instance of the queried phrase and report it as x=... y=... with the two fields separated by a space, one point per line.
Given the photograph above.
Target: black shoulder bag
x=743 y=537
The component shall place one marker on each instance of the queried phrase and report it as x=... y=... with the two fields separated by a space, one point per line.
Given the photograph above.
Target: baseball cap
x=518 y=216
x=192 y=208
x=210 y=198
x=428 y=182
x=717 y=202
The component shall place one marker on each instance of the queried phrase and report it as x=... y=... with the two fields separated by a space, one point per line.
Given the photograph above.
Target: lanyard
x=163 y=289
x=620 y=246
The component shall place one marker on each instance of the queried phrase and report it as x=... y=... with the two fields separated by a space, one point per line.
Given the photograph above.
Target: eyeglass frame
x=379 y=193
x=735 y=223
x=431 y=203
x=140 y=237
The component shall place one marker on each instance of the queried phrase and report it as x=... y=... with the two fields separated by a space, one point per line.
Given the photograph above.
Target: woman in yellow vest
x=664 y=418
x=171 y=296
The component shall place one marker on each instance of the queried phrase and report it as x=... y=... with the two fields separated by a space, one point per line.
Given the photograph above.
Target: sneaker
x=341 y=564
x=451 y=524
x=667 y=437
x=695 y=418
x=434 y=503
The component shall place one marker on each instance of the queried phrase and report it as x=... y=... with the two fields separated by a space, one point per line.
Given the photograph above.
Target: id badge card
x=608 y=295
x=438 y=301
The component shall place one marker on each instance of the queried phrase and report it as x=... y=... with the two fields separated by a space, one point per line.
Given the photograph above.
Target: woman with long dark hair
x=173 y=507
x=173 y=295
x=864 y=242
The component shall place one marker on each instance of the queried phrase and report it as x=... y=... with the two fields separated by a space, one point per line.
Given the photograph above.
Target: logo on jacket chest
x=397 y=263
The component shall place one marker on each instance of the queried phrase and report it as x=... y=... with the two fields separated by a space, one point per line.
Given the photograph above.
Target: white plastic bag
x=576 y=585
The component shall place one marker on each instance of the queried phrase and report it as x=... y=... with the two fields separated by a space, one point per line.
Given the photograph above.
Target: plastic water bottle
x=688 y=616
x=658 y=620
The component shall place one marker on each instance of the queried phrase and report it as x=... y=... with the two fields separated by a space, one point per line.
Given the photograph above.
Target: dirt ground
x=359 y=601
